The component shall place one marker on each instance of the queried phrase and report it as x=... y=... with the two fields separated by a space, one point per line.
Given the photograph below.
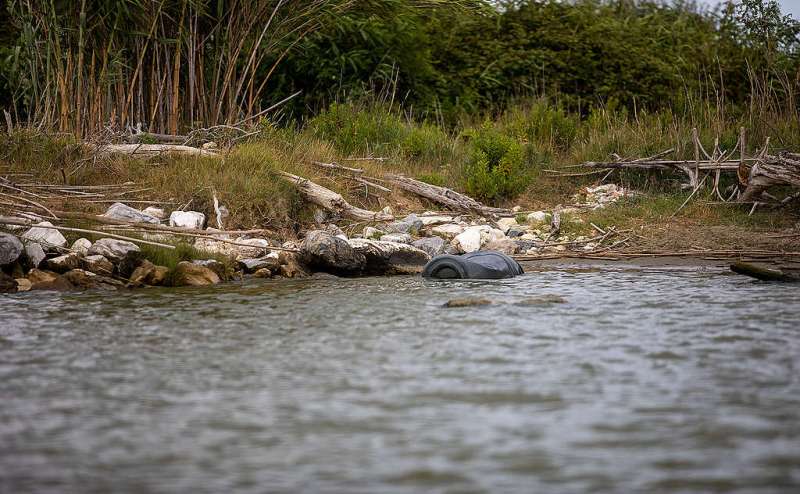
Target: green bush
x=352 y=128
x=429 y=143
x=496 y=168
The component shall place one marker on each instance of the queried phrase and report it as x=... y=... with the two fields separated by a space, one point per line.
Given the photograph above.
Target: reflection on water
x=644 y=380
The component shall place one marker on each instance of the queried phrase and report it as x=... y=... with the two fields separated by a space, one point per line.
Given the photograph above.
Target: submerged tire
x=486 y=265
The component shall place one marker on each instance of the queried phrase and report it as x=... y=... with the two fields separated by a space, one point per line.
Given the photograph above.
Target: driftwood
x=762 y=273
x=17 y=222
x=783 y=169
x=444 y=196
x=148 y=150
x=332 y=201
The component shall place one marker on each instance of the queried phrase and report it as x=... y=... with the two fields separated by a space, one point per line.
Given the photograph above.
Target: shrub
x=496 y=169
x=352 y=128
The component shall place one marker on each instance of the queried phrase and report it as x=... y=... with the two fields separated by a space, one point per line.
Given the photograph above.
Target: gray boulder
x=10 y=249
x=324 y=252
x=411 y=224
x=48 y=238
x=372 y=233
x=123 y=212
x=389 y=257
x=432 y=245
x=271 y=262
x=34 y=254
x=112 y=249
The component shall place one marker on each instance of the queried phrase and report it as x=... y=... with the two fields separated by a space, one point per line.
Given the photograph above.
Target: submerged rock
x=271 y=262
x=214 y=265
x=112 y=248
x=542 y=300
x=10 y=248
x=325 y=252
x=123 y=212
x=23 y=285
x=188 y=274
x=291 y=267
x=48 y=238
x=467 y=302
x=187 y=219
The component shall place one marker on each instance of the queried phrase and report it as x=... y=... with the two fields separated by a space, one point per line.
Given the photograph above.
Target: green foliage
x=356 y=129
x=433 y=178
x=496 y=169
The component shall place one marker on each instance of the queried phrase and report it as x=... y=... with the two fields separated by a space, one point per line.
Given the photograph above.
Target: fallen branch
x=332 y=201
x=444 y=196
x=13 y=221
x=148 y=150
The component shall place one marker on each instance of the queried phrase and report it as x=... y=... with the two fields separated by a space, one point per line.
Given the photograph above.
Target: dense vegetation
x=478 y=96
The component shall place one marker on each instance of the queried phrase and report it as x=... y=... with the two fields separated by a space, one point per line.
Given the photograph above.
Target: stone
x=467 y=302
x=325 y=252
x=155 y=212
x=63 y=263
x=48 y=238
x=129 y=262
x=372 y=233
x=97 y=264
x=123 y=212
x=47 y=280
x=387 y=210
x=112 y=249
x=214 y=265
x=448 y=231
x=389 y=257
x=335 y=231
x=538 y=217
x=8 y=284
x=84 y=280
x=504 y=245
x=260 y=247
x=515 y=232
x=263 y=273
x=187 y=219
x=290 y=265
x=271 y=262
x=542 y=300
x=10 y=248
x=142 y=274
x=516 y=209
x=188 y=274
x=209 y=146
x=81 y=246
x=432 y=245
x=432 y=219
x=23 y=285
x=403 y=238
x=504 y=224
x=410 y=224
x=467 y=241
x=320 y=216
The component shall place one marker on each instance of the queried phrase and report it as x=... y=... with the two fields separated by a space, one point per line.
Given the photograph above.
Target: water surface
x=643 y=380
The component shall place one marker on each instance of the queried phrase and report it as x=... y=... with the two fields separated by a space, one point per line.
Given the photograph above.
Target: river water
x=641 y=380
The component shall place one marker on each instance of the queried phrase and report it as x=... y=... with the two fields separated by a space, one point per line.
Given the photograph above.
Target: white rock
x=538 y=217
x=112 y=248
x=155 y=212
x=48 y=238
x=449 y=230
x=403 y=238
x=516 y=209
x=34 y=253
x=81 y=246
x=467 y=241
x=529 y=236
x=432 y=220
x=505 y=223
x=387 y=210
x=187 y=219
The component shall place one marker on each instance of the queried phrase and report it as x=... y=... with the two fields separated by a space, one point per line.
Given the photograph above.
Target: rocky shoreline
x=38 y=257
